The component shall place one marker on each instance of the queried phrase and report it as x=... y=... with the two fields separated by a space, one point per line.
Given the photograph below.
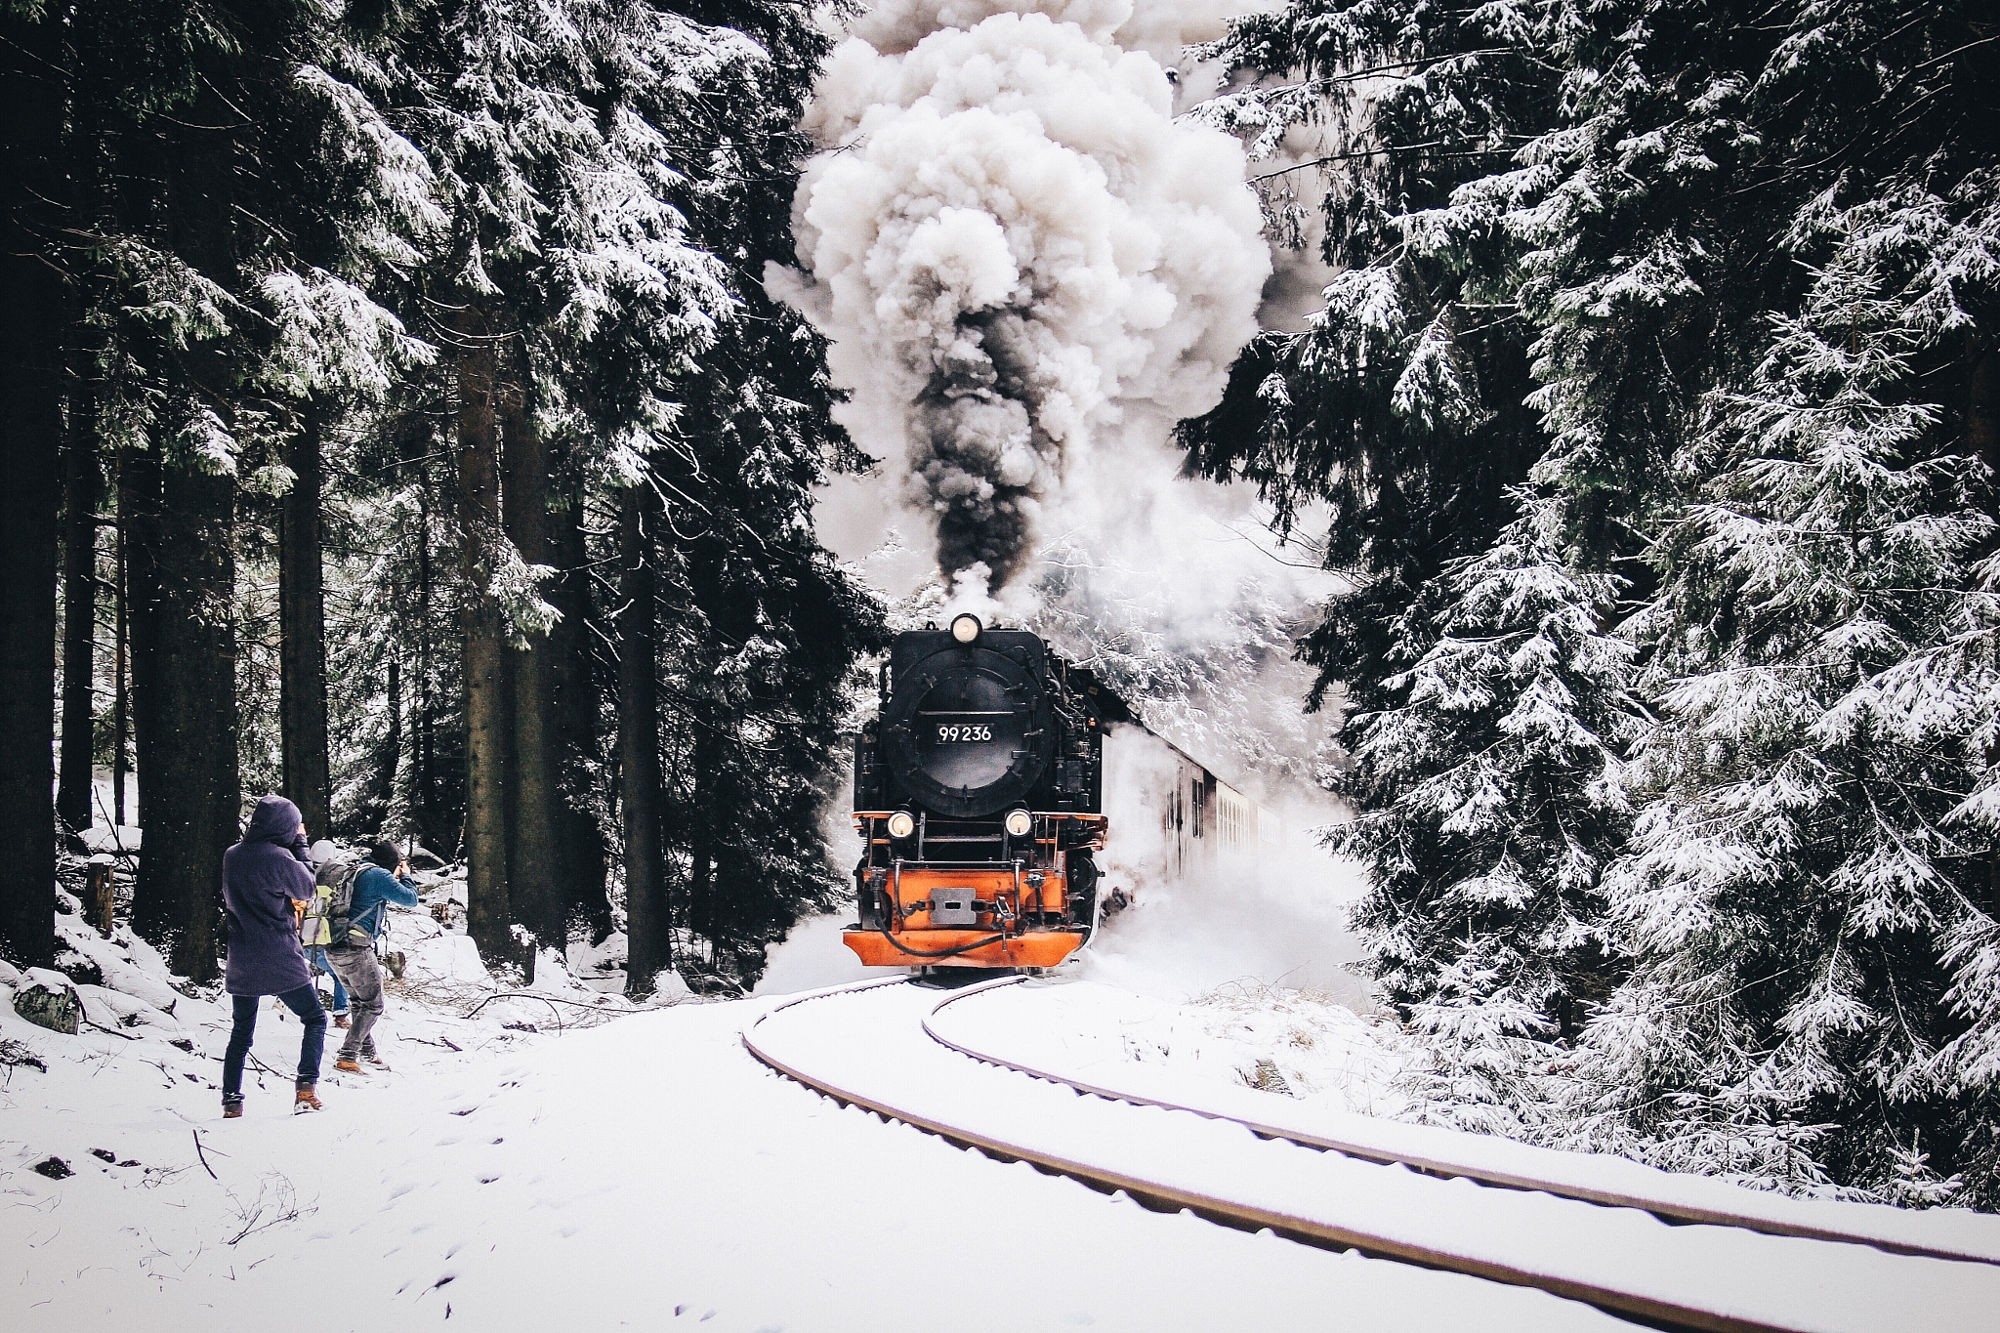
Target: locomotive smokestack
x=1017 y=254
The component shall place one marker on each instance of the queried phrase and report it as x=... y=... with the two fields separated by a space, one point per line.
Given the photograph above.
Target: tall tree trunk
x=139 y=528
x=534 y=873
x=586 y=903
x=302 y=629
x=121 y=718
x=188 y=774
x=79 y=660
x=392 y=742
x=647 y=927
x=31 y=336
x=188 y=771
x=425 y=777
x=489 y=911
x=704 y=907
x=83 y=477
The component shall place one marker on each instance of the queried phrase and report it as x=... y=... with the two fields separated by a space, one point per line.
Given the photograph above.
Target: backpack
x=326 y=916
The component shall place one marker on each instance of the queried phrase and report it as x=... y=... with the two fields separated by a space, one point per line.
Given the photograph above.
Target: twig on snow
x=549 y=1000
x=204 y=1161
x=441 y=1041
x=128 y=1036
x=275 y=1193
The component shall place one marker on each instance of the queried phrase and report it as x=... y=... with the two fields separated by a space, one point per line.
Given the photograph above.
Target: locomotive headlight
x=966 y=628
x=1018 y=823
x=902 y=824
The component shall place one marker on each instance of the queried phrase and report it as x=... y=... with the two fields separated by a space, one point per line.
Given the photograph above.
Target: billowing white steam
x=1018 y=254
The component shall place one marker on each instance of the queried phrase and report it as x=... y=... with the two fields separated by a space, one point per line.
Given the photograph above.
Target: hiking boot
x=347 y=1065
x=232 y=1108
x=306 y=1098
x=340 y=1020
x=376 y=1061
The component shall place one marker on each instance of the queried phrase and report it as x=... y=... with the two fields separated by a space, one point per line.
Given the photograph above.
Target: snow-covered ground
x=594 y=1172
x=556 y=1158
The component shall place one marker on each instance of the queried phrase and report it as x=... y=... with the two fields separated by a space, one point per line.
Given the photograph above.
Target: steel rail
x=1667 y=1210
x=1672 y=1315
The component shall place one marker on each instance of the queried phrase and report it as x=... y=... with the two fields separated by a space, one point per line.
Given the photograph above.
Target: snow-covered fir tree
x=760 y=628
x=1750 y=266
x=1807 y=907
x=1401 y=405
x=1491 y=796
x=606 y=180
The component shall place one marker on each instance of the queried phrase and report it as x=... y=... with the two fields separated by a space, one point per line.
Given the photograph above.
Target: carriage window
x=1199 y=808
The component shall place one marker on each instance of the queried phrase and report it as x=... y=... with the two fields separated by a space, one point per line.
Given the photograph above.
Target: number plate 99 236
x=959 y=733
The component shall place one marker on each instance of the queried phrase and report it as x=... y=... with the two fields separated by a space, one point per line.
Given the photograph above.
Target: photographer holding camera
x=385 y=880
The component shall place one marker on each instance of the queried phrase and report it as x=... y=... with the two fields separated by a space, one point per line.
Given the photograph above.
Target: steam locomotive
x=978 y=795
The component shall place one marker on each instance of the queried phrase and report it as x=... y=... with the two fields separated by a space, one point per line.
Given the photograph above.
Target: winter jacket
x=374 y=889
x=261 y=877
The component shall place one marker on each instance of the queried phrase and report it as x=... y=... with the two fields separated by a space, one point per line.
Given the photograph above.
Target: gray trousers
x=357 y=969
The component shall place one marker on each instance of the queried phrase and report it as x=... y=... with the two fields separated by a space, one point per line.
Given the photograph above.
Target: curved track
x=876 y=1045
x=1763 y=1214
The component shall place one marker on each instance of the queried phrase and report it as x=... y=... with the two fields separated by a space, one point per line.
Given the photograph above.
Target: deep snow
x=637 y=1171
x=556 y=1158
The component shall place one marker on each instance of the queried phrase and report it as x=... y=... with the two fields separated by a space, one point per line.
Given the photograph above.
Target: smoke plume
x=1020 y=257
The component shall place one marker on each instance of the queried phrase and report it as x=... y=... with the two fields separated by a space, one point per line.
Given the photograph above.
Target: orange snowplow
x=967 y=917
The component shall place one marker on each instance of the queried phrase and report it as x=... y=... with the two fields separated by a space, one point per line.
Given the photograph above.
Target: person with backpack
x=314 y=933
x=320 y=966
x=264 y=880
x=355 y=902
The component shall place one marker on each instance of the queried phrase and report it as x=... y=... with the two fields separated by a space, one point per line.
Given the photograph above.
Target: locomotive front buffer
x=1032 y=910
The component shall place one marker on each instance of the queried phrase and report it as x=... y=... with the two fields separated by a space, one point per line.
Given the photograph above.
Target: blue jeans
x=303 y=1001
x=317 y=957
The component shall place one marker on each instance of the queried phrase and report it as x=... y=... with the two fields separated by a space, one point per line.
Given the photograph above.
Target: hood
x=274 y=820
x=323 y=852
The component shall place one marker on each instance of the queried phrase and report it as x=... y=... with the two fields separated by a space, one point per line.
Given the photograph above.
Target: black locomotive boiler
x=978 y=795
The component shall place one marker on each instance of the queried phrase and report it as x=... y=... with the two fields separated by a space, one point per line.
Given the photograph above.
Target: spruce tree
x=1802 y=907
x=761 y=629
x=30 y=427
x=1752 y=265
x=1491 y=797
x=1401 y=407
x=566 y=296
x=1766 y=279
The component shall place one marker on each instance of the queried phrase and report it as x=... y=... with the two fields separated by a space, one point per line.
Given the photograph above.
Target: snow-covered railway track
x=1774 y=1215
x=869 y=1046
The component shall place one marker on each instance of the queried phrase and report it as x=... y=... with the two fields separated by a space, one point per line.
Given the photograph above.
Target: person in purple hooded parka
x=263 y=876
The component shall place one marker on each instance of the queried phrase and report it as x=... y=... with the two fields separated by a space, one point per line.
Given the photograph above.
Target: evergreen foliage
x=760 y=631
x=1401 y=406
x=1492 y=795
x=1748 y=265
x=452 y=274
x=1806 y=899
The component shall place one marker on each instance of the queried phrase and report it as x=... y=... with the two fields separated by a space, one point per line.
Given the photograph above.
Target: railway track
x=1725 y=1205
x=879 y=1046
